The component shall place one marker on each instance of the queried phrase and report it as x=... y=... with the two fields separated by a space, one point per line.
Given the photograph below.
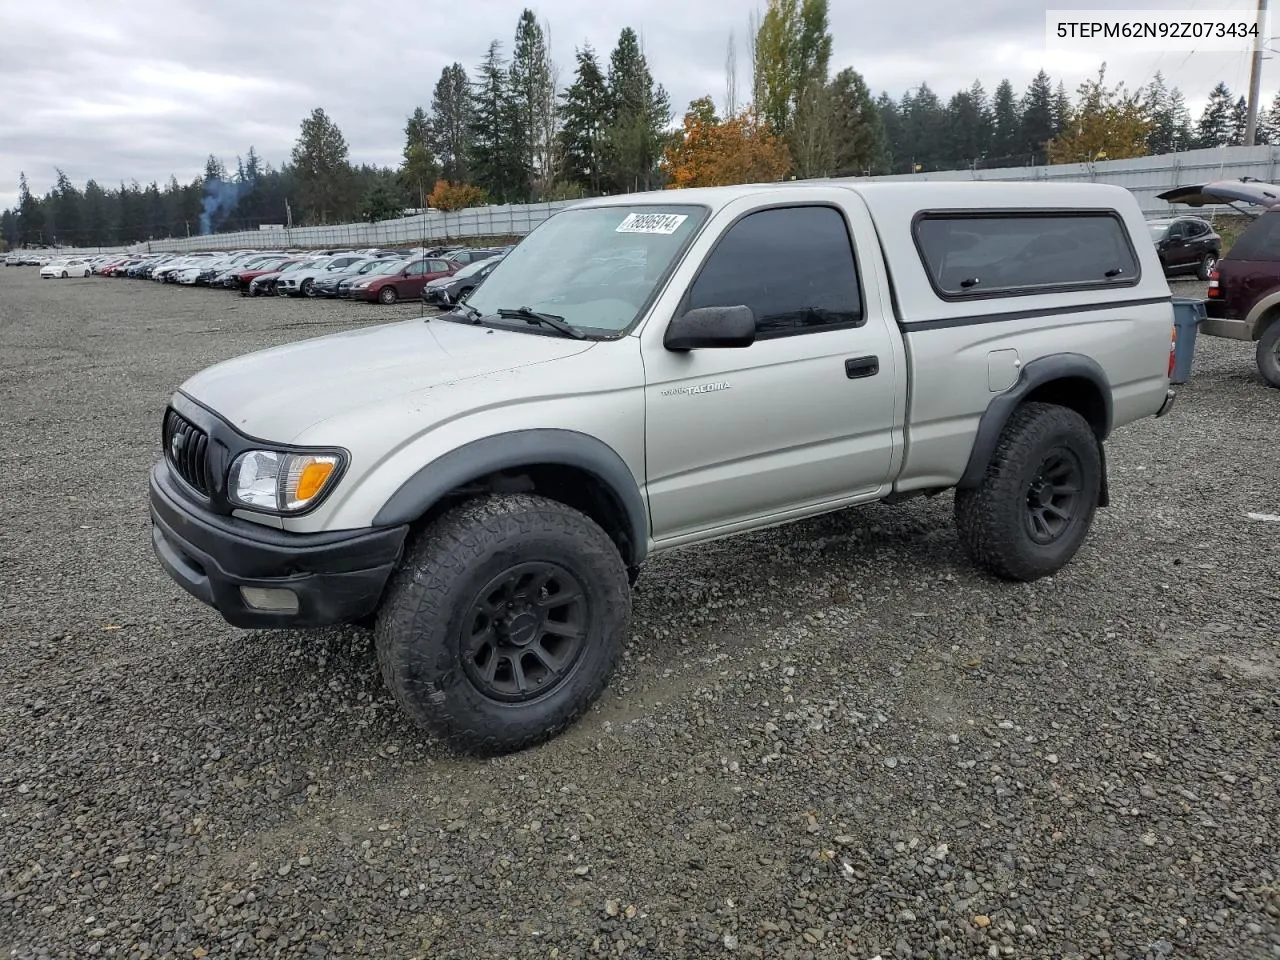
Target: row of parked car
x=439 y=276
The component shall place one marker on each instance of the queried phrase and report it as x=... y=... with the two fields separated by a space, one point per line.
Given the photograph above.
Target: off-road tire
x=993 y=518
x=430 y=606
x=388 y=295
x=1208 y=263
x=1269 y=354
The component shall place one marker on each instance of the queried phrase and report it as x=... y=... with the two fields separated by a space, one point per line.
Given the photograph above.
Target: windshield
x=1158 y=230
x=391 y=266
x=594 y=266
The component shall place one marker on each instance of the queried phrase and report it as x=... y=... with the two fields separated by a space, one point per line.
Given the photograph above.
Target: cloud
x=148 y=89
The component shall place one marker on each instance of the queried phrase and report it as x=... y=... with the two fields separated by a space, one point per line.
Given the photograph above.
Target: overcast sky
x=146 y=88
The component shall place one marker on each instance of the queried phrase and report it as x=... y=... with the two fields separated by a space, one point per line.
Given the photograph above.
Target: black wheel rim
x=525 y=632
x=1054 y=496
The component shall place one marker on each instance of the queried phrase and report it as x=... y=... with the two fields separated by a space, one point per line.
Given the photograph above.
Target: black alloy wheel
x=525 y=632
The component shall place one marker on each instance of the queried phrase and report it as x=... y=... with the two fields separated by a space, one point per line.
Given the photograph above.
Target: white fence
x=1143 y=176
x=511 y=220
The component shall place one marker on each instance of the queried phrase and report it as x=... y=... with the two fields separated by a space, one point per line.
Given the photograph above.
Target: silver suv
x=653 y=370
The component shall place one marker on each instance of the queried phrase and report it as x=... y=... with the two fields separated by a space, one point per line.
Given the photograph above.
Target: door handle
x=861 y=367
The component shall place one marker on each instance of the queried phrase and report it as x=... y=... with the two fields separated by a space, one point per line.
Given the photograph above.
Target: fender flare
x=1258 y=313
x=521 y=448
x=1038 y=372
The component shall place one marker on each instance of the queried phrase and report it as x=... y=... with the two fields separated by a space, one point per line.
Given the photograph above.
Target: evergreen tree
x=252 y=166
x=1037 y=118
x=969 y=127
x=1007 y=133
x=1184 y=136
x=923 y=119
x=639 y=112
x=858 y=132
x=30 y=216
x=895 y=154
x=1269 y=122
x=451 y=124
x=585 y=112
x=1214 y=128
x=9 y=229
x=532 y=89
x=1061 y=109
x=498 y=159
x=321 y=166
x=1239 y=124
x=1170 y=121
x=419 y=171
x=131 y=225
x=96 y=224
x=67 y=212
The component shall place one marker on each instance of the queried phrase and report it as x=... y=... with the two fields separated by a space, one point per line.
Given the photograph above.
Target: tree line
x=511 y=132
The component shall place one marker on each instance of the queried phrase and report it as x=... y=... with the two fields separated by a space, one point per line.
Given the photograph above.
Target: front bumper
x=336 y=577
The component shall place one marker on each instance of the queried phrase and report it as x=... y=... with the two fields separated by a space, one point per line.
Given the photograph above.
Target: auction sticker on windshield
x=652 y=222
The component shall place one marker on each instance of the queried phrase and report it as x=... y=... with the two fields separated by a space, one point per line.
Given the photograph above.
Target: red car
x=404 y=284
x=275 y=266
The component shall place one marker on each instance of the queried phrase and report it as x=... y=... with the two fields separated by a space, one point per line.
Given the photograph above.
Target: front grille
x=186 y=447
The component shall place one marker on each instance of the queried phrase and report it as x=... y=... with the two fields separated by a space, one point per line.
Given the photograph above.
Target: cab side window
x=793 y=266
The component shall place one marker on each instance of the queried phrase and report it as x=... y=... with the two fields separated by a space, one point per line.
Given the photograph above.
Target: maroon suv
x=1243 y=299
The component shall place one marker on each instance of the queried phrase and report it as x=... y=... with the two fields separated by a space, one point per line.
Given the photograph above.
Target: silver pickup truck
x=653 y=370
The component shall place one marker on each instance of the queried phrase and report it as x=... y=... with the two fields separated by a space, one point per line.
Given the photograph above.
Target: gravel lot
x=831 y=739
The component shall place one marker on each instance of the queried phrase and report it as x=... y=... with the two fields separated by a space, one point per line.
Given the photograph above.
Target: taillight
x=1173 y=350
x=1214 y=290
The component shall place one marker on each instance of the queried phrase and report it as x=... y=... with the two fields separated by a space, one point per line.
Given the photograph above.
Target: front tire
x=388 y=295
x=504 y=622
x=1034 y=505
x=1269 y=354
x=64 y=274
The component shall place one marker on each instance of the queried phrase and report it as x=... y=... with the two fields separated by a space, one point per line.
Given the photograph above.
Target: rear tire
x=504 y=622
x=1208 y=263
x=1269 y=354
x=388 y=295
x=1032 y=509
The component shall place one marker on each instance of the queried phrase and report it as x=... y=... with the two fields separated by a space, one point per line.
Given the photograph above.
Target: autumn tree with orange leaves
x=710 y=152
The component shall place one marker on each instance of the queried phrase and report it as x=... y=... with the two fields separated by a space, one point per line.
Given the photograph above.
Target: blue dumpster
x=1187 y=314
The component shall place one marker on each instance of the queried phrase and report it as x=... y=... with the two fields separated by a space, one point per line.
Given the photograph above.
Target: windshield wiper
x=544 y=319
x=470 y=313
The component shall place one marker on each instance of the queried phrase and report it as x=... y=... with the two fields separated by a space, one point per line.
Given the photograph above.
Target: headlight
x=282 y=482
x=362 y=284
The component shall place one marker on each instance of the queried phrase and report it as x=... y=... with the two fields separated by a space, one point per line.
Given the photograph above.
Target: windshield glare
x=471 y=269
x=1158 y=230
x=594 y=266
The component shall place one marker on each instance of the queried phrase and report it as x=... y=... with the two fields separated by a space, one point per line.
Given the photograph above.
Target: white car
x=66 y=268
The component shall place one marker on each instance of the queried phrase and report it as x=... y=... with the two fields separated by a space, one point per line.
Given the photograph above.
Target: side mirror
x=711 y=327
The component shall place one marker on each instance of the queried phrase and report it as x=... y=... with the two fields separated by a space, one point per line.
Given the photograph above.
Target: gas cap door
x=1003 y=368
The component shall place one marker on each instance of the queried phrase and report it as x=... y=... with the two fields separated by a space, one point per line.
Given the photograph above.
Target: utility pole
x=1255 y=77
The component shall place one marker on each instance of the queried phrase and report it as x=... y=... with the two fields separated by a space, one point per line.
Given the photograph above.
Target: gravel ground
x=830 y=739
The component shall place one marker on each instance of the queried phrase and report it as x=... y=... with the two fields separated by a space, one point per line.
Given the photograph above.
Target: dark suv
x=1186 y=244
x=1243 y=299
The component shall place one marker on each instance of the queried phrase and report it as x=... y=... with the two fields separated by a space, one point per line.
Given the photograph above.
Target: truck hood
x=277 y=394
